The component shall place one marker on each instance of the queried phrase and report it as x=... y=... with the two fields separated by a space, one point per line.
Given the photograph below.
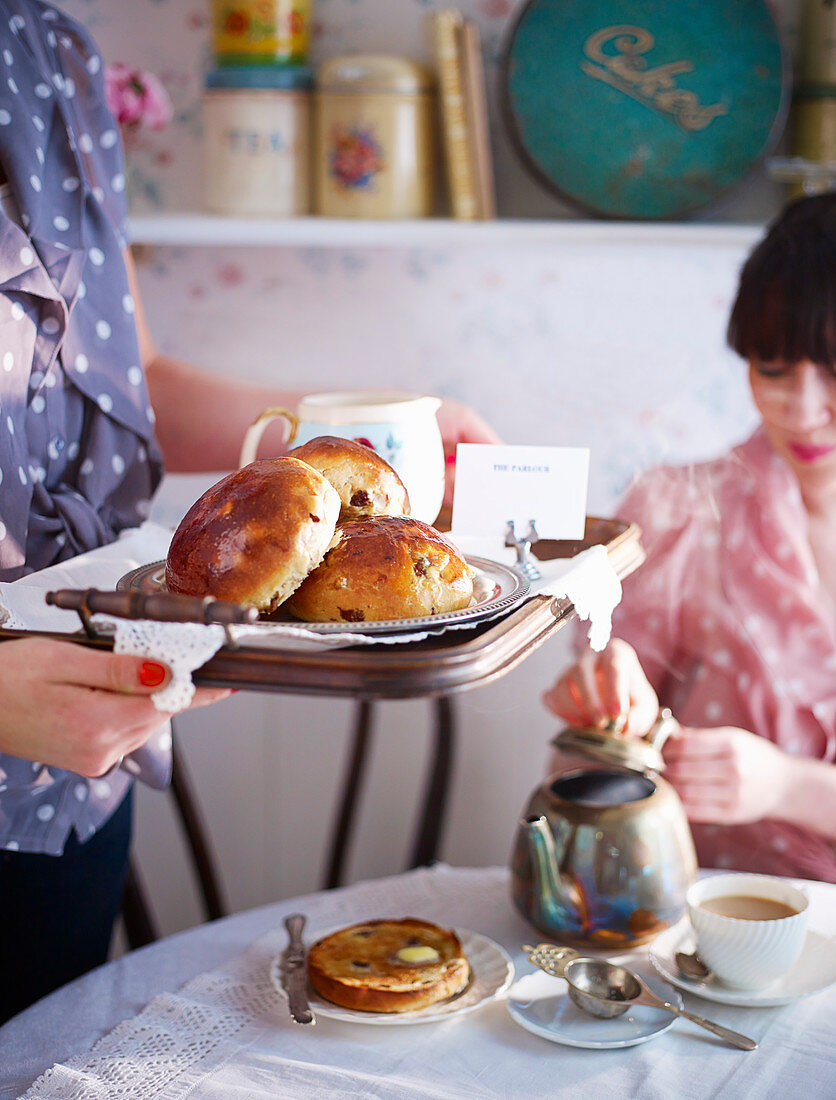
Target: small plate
x=814 y=971
x=497 y=588
x=541 y=1004
x=491 y=973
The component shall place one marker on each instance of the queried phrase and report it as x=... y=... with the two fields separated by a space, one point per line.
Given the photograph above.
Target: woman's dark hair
x=785 y=309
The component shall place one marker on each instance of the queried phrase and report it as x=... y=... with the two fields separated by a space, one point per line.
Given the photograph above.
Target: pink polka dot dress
x=733 y=628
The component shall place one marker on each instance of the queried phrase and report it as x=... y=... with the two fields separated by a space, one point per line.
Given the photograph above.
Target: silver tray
x=497 y=588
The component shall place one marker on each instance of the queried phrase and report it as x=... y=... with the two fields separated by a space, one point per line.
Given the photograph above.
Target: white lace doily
x=183 y=646
x=594 y=588
x=187 y=646
x=180 y=1038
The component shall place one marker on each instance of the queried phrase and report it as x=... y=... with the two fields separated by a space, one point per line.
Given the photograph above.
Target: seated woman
x=731 y=621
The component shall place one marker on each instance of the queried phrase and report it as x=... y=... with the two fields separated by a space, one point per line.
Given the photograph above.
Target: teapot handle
x=662 y=728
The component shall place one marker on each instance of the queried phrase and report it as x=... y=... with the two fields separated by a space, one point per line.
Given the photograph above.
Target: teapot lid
x=638 y=754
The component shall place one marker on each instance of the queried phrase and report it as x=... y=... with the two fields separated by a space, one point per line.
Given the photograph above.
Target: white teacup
x=401 y=427
x=753 y=950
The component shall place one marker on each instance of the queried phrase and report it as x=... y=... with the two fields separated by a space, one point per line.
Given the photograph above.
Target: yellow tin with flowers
x=374 y=139
x=261 y=32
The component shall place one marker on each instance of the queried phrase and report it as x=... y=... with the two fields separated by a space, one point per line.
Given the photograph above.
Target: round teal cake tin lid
x=255 y=77
x=644 y=109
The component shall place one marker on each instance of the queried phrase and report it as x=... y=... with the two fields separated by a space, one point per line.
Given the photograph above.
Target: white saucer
x=814 y=971
x=540 y=1004
x=492 y=972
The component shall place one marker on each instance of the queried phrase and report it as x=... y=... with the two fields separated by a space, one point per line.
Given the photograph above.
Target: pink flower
x=158 y=110
x=136 y=98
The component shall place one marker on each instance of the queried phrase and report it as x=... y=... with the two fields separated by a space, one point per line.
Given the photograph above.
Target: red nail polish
x=151 y=674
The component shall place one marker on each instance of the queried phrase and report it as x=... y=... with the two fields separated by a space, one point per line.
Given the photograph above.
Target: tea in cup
x=401 y=427
x=750 y=929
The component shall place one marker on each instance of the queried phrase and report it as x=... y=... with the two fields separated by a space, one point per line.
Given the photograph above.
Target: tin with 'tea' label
x=256 y=124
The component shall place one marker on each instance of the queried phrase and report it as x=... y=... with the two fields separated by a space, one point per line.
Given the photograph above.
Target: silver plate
x=497 y=588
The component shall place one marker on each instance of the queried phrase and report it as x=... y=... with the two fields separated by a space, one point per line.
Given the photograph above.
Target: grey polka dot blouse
x=78 y=461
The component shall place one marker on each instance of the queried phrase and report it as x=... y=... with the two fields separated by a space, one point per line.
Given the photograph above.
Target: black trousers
x=57 y=912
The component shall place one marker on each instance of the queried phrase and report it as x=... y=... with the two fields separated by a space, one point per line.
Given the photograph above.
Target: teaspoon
x=692 y=966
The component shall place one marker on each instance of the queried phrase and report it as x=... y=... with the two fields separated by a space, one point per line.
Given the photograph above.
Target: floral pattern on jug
x=400 y=426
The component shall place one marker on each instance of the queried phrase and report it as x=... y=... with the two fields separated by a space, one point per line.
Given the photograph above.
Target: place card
x=497 y=483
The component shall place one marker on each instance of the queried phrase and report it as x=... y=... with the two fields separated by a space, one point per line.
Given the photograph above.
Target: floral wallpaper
x=619 y=349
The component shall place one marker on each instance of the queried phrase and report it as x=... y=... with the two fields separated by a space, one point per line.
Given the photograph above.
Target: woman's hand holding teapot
x=727 y=775
x=608 y=687
x=723 y=775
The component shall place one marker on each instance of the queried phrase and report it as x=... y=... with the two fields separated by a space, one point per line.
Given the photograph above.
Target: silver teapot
x=603 y=855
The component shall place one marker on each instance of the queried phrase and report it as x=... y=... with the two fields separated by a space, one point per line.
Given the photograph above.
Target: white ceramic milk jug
x=401 y=427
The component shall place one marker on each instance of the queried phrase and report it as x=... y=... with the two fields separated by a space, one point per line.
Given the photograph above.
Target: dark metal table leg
x=428 y=834
x=344 y=825
x=140 y=927
x=197 y=835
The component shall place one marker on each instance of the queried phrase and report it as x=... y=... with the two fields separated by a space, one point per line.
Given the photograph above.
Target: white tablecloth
x=482 y=1054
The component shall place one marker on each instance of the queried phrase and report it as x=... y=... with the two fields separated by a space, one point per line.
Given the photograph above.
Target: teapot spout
x=553 y=906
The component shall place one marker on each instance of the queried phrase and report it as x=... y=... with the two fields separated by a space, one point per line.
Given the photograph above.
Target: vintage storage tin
x=644 y=108
x=374 y=138
x=261 y=32
x=256 y=124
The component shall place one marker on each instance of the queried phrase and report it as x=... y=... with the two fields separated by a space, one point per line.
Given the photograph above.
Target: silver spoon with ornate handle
x=606 y=990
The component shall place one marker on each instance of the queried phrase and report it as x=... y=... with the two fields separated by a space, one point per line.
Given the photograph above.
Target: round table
x=260 y=1052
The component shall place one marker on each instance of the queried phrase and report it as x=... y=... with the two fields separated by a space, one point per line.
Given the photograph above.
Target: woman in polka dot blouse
x=88 y=409
x=731 y=621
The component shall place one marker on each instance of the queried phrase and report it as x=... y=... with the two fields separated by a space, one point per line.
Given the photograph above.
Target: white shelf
x=314 y=232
